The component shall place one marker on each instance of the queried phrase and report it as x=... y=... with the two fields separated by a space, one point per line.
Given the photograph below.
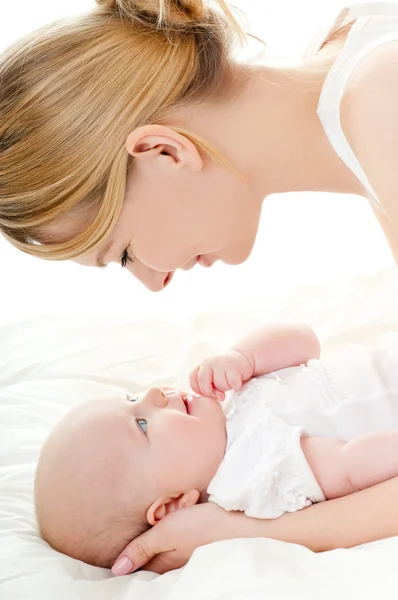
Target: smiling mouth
x=167 y=279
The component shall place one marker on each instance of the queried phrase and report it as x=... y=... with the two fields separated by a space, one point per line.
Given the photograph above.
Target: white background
x=303 y=238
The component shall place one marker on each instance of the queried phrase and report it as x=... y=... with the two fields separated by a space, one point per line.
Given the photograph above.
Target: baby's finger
x=193 y=380
x=205 y=381
x=219 y=395
x=234 y=379
x=220 y=381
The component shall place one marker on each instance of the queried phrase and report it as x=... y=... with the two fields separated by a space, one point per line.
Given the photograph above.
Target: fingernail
x=122 y=566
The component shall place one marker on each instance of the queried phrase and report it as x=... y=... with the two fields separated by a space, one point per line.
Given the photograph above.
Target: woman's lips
x=168 y=278
x=201 y=260
x=205 y=261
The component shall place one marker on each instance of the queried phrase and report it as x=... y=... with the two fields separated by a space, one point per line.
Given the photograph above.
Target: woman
x=129 y=134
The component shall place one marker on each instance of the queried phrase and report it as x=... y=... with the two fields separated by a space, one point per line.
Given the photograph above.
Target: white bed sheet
x=49 y=363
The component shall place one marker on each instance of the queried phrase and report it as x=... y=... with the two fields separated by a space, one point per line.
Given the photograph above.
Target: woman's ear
x=167 y=504
x=155 y=140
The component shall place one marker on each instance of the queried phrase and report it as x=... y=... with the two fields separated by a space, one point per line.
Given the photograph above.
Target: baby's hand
x=218 y=374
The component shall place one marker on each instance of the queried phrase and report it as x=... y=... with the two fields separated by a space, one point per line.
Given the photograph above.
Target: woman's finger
x=162 y=563
x=138 y=553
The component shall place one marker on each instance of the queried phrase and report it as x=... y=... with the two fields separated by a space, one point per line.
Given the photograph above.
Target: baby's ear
x=167 y=504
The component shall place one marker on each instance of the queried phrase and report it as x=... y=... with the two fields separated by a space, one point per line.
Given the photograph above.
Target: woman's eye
x=126 y=258
x=142 y=424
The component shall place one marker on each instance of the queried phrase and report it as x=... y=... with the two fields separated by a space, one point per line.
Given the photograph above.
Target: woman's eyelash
x=126 y=258
x=142 y=424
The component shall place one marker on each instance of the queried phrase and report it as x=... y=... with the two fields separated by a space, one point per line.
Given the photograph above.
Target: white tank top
x=376 y=24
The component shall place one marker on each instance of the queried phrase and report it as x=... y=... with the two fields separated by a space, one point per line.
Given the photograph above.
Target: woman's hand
x=364 y=516
x=170 y=543
x=221 y=373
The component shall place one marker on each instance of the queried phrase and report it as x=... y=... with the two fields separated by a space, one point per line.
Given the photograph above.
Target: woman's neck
x=290 y=149
x=271 y=131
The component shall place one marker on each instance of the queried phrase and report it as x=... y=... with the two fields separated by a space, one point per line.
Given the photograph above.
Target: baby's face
x=177 y=442
x=109 y=460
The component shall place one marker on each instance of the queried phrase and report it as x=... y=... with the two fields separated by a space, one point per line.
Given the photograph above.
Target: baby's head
x=112 y=468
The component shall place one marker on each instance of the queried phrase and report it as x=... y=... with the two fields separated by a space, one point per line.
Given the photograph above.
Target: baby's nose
x=156 y=397
x=172 y=394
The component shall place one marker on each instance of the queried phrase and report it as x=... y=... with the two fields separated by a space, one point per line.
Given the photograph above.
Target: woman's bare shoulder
x=369 y=118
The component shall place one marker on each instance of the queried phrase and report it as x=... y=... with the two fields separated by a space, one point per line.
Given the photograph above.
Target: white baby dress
x=264 y=472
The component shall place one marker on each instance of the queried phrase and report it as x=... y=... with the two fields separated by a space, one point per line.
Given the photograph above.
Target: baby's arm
x=273 y=347
x=342 y=468
x=268 y=348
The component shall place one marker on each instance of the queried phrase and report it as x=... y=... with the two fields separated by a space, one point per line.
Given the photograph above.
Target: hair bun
x=170 y=14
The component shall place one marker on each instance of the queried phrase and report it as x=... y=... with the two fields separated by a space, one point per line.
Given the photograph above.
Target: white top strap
x=362 y=39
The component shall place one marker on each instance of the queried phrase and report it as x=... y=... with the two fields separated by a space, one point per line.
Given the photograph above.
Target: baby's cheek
x=176 y=436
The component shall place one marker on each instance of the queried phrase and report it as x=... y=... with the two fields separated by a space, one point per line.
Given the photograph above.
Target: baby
x=112 y=468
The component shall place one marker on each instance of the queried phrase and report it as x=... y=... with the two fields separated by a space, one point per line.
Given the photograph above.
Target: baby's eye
x=132 y=398
x=142 y=424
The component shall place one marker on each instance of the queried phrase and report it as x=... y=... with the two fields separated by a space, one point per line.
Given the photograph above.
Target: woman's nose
x=155 y=397
x=155 y=281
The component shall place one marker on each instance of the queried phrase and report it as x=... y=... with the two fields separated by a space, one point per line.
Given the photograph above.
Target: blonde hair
x=71 y=93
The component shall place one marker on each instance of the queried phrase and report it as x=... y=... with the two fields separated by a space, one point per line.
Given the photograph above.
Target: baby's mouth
x=187 y=399
x=186 y=404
